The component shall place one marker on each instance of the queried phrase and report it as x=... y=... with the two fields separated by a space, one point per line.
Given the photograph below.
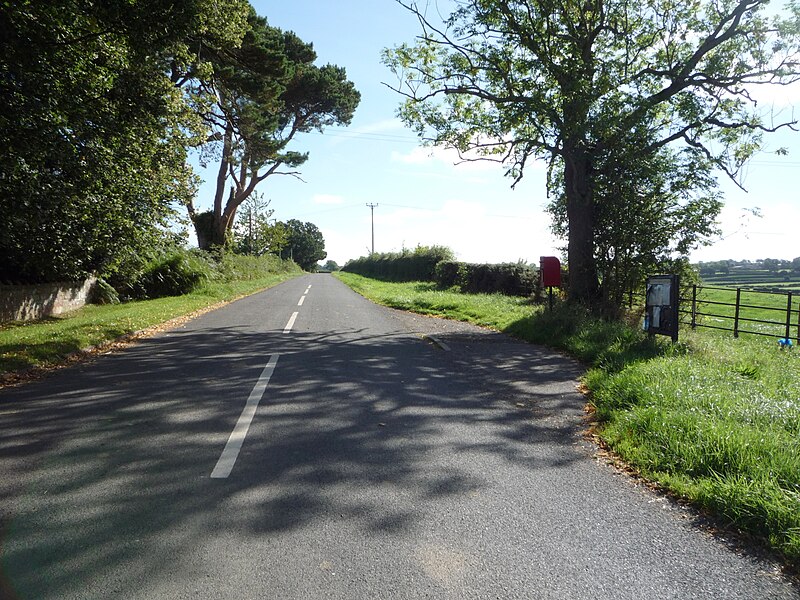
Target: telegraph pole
x=372 y=215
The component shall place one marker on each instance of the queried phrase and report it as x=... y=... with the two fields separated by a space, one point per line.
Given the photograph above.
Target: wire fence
x=739 y=310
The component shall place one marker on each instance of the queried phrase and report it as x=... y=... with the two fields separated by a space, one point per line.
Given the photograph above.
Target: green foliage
x=256 y=99
x=600 y=90
x=49 y=342
x=254 y=232
x=408 y=265
x=330 y=266
x=177 y=273
x=304 y=244
x=511 y=279
x=765 y=274
x=449 y=273
x=234 y=267
x=204 y=228
x=487 y=310
x=719 y=424
x=649 y=209
x=94 y=137
x=103 y=293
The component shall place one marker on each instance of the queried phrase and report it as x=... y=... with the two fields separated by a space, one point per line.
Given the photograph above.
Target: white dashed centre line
x=290 y=324
x=231 y=451
x=302 y=299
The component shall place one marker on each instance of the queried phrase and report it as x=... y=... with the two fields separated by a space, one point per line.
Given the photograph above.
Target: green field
x=763 y=302
x=756 y=279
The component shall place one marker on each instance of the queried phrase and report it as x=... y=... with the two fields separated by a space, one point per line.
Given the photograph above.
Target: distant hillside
x=768 y=274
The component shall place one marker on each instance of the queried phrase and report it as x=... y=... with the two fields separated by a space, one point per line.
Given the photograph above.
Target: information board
x=662 y=306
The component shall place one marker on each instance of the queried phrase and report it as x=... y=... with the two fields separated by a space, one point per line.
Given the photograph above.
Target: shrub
x=238 y=267
x=103 y=293
x=448 y=273
x=174 y=274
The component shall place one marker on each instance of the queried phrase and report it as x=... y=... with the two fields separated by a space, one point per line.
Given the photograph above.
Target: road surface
x=305 y=443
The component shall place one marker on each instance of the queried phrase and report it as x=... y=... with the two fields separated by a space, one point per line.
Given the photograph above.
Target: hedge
x=511 y=279
x=409 y=265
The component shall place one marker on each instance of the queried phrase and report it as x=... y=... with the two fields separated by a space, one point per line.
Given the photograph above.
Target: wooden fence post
x=694 y=306
x=788 y=315
x=736 y=313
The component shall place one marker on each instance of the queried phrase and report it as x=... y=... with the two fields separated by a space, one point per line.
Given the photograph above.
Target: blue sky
x=424 y=198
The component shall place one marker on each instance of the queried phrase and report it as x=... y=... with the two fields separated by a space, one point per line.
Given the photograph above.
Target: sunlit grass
x=713 y=419
x=488 y=310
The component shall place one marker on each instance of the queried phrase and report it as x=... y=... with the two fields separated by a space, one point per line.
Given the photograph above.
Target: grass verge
x=50 y=342
x=713 y=419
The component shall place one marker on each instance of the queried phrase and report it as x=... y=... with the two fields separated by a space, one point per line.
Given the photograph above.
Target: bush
x=238 y=267
x=103 y=293
x=174 y=274
x=449 y=273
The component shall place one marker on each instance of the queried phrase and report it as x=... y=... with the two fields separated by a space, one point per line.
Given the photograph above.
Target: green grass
x=718 y=422
x=49 y=342
x=488 y=310
x=713 y=419
x=758 y=279
x=753 y=305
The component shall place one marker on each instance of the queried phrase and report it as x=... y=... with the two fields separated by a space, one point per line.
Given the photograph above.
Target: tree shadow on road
x=112 y=459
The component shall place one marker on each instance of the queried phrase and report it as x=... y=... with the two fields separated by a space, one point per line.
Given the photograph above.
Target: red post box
x=550 y=269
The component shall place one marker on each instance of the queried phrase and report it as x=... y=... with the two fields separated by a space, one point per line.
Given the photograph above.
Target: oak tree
x=577 y=82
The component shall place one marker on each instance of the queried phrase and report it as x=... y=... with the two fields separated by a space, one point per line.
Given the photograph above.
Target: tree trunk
x=203 y=239
x=583 y=278
x=219 y=231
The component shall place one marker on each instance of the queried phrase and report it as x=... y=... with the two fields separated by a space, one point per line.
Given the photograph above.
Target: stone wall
x=28 y=302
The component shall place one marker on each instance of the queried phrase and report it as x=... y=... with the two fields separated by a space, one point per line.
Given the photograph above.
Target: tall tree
x=265 y=93
x=305 y=244
x=567 y=81
x=93 y=130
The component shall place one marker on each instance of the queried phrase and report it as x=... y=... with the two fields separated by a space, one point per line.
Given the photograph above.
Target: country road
x=304 y=443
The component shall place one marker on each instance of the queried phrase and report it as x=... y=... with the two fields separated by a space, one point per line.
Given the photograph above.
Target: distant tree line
x=418 y=264
x=773 y=265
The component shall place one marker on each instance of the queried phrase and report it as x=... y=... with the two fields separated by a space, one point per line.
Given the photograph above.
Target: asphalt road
x=333 y=453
